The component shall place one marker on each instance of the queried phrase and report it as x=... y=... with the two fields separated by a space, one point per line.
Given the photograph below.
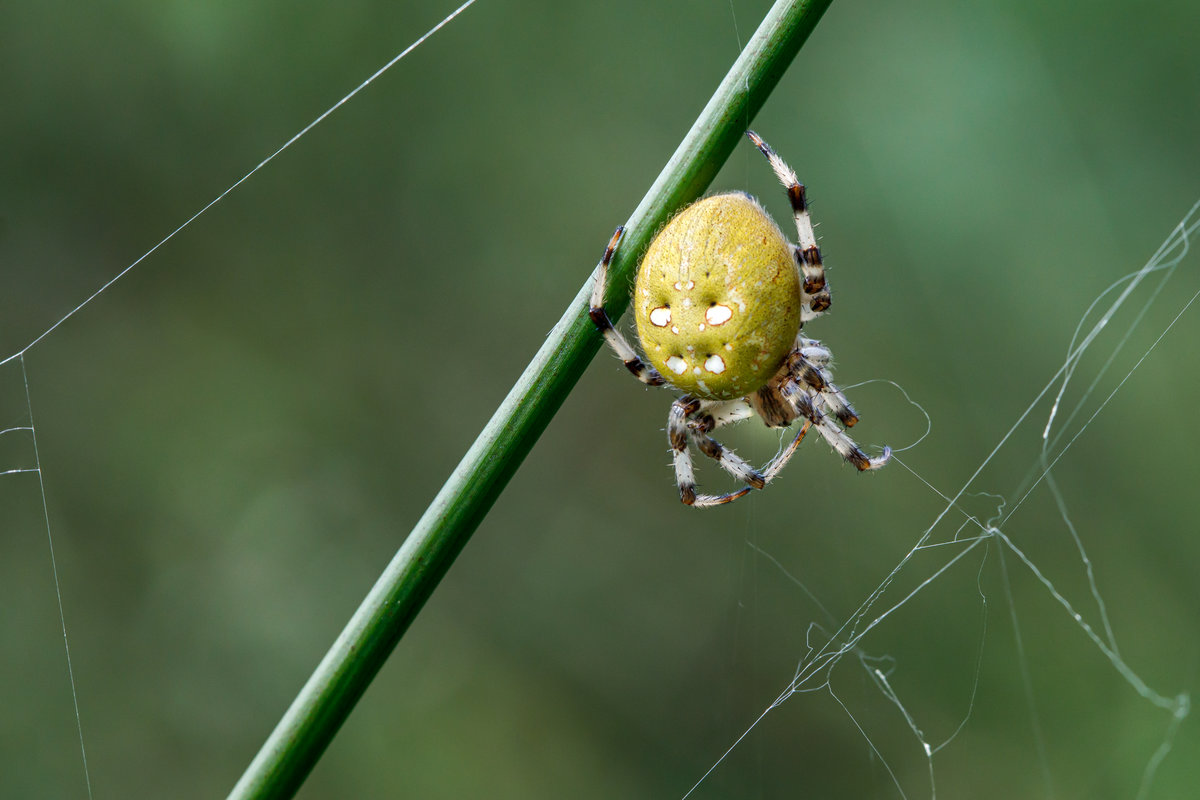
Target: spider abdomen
x=718 y=298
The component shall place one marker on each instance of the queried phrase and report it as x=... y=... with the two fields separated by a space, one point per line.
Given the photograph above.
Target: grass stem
x=326 y=700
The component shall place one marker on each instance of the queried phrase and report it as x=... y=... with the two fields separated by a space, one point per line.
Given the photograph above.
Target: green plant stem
x=326 y=700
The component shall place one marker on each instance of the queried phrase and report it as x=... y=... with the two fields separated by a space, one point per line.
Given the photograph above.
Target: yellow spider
x=721 y=299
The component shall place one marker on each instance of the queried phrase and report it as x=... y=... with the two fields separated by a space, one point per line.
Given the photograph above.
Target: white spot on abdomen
x=715 y=364
x=718 y=314
x=660 y=316
x=676 y=365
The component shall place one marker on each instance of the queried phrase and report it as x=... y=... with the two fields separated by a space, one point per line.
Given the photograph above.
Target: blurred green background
x=237 y=436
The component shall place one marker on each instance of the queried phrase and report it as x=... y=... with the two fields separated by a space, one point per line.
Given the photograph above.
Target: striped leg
x=814 y=351
x=818 y=378
x=808 y=255
x=711 y=415
x=640 y=369
x=768 y=474
x=691 y=420
x=780 y=461
x=677 y=435
x=811 y=404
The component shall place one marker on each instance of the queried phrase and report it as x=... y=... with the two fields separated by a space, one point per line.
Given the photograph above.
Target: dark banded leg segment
x=640 y=369
x=769 y=472
x=811 y=404
x=677 y=435
x=730 y=461
x=818 y=378
x=691 y=420
x=808 y=256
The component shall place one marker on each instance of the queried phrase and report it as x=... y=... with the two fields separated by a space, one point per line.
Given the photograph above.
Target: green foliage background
x=238 y=435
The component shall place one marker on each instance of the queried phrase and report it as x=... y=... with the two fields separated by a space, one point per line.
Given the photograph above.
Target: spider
x=720 y=301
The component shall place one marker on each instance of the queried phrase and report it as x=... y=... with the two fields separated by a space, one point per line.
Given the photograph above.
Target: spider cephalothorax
x=720 y=301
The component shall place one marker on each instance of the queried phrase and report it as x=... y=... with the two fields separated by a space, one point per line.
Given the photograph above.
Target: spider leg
x=715 y=413
x=768 y=472
x=810 y=363
x=730 y=461
x=677 y=435
x=818 y=377
x=811 y=404
x=711 y=415
x=808 y=256
x=690 y=420
x=807 y=386
x=640 y=369
x=780 y=461
x=814 y=351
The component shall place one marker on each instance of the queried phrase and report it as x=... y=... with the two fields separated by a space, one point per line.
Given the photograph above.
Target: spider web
x=18 y=441
x=960 y=539
x=957 y=533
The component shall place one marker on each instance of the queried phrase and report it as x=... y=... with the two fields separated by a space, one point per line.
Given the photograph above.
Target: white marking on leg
x=685 y=474
x=725 y=412
x=817 y=354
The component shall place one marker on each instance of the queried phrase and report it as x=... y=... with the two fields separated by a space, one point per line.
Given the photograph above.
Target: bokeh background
x=237 y=436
